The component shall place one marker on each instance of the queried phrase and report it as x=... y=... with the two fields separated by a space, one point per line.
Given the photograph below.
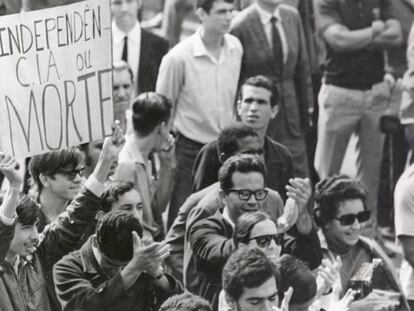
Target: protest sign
x=55 y=78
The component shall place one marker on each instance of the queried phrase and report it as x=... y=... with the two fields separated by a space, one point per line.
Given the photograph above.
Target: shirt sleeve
x=387 y=10
x=404 y=205
x=326 y=14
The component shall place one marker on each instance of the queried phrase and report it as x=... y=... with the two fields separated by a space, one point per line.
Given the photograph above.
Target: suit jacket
x=153 y=49
x=295 y=82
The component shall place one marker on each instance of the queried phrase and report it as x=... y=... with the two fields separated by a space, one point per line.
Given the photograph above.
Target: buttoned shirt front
x=202 y=88
x=265 y=18
x=134 y=47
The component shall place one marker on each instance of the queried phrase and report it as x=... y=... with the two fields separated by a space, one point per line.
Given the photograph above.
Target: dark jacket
x=153 y=49
x=81 y=285
x=33 y=287
x=212 y=243
x=278 y=162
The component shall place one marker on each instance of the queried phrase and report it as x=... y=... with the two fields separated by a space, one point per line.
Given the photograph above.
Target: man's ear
x=44 y=180
x=222 y=157
x=238 y=107
x=201 y=14
x=222 y=197
x=230 y=302
x=274 y=111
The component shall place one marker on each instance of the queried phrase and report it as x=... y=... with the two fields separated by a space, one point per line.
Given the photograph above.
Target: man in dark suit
x=141 y=49
x=274 y=45
x=242 y=190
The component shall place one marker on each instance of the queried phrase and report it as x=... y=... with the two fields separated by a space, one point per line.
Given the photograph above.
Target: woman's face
x=259 y=233
x=343 y=233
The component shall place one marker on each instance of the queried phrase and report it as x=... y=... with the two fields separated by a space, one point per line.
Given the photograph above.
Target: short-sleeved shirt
x=358 y=69
x=404 y=219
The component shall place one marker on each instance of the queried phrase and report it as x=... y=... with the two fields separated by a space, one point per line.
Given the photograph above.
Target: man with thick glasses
x=242 y=190
x=56 y=180
x=341 y=212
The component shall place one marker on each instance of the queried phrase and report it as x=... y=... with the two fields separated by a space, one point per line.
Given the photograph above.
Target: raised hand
x=8 y=166
x=300 y=191
x=149 y=258
x=343 y=304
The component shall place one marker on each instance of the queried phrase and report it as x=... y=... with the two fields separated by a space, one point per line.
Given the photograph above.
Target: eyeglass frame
x=71 y=174
x=250 y=194
x=355 y=217
x=278 y=238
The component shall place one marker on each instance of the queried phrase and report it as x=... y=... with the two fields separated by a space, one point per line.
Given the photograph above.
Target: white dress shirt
x=134 y=48
x=265 y=18
x=201 y=87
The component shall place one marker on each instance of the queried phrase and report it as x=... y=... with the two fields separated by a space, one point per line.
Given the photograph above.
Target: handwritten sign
x=55 y=78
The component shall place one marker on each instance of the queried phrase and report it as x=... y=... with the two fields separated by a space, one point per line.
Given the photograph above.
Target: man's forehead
x=255 y=91
x=122 y=76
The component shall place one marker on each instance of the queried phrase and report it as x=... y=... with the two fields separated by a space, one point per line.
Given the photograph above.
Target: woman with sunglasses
x=258 y=229
x=341 y=213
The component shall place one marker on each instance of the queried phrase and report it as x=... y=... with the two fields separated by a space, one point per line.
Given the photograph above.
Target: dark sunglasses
x=245 y=194
x=349 y=219
x=71 y=174
x=265 y=240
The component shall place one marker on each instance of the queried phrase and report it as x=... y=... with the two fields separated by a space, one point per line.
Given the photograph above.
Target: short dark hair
x=294 y=273
x=28 y=211
x=246 y=268
x=51 y=163
x=228 y=140
x=206 y=5
x=121 y=66
x=331 y=192
x=245 y=224
x=148 y=111
x=185 y=302
x=114 y=234
x=243 y=163
x=112 y=192
x=263 y=82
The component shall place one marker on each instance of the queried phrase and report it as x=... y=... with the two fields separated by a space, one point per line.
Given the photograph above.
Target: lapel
x=258 y=33
x=144 y=58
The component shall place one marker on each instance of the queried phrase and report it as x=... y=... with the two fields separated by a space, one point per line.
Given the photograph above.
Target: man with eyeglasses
x=257 y=104
x=56 y=180
x=242 y=190
x=341 y=212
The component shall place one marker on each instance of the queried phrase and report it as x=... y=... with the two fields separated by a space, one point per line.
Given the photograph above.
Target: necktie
x=277 y=47
x=125 y=50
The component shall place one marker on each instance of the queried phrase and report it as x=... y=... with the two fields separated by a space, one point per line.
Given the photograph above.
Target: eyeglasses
x=245 y=194
x=265 y=240
x=349 y=219
x=71 y=174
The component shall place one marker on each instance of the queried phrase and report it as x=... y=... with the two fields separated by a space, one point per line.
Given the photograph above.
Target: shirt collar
x=118 y=35
x=199 y=49
x=226 y=216
x=88 y=259
x=266 y=16
x=131 y=146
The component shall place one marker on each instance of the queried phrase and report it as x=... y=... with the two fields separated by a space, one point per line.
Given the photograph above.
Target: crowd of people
x=210 y=194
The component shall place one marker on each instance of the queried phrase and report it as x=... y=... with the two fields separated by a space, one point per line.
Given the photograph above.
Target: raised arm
x=8 y=207
x=63 y=235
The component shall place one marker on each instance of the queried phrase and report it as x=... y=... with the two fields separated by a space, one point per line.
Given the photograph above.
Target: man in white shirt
x=404 y=229
x=200 y=76
x=141 y=49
